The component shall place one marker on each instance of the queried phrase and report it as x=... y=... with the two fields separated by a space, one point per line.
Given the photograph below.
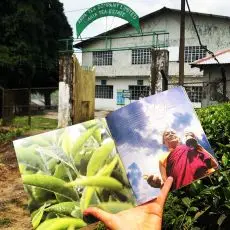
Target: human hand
x=143 y=217
x=191 y=140
x=154 y=181
x=190 y=135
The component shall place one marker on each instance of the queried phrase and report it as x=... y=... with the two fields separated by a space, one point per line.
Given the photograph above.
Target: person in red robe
x=184 y=162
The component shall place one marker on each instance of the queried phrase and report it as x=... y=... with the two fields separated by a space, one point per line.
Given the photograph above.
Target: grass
x=19 y=127
x=2 y=205
x=37 y=123
x=5 y=222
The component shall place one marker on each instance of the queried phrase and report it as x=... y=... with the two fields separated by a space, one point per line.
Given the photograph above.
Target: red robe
x=185 y=165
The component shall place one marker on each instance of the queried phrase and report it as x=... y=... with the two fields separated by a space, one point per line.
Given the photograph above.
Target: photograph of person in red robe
x=184 y=162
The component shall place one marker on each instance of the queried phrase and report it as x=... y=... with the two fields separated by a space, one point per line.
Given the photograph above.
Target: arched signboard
x=108 y=9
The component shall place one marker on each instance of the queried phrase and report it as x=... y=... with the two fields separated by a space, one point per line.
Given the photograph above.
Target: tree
x=29 y=42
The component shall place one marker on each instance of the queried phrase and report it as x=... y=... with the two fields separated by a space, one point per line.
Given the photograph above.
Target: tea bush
x=9 y=134
x=205 y=204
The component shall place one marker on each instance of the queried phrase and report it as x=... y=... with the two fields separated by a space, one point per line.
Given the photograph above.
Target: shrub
x=205 y=204
x=10 y=133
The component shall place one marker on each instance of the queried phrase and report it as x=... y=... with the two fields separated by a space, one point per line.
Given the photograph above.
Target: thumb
x=164 y=191
x=107 y=218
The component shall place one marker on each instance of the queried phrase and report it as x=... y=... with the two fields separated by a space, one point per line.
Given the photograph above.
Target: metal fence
x=26 y=102
x=205 y=93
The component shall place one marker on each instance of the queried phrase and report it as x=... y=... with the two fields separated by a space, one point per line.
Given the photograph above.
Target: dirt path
x=13 y=199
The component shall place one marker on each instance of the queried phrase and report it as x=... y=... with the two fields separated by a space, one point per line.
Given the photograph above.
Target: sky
x=74 y=9
x=138 y=128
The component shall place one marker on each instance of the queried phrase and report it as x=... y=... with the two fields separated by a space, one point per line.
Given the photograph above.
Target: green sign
x=108 y=9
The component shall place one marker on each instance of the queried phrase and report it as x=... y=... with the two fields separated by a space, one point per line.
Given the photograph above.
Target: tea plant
x=9 y=134
x=205 y=204
x=68 y=170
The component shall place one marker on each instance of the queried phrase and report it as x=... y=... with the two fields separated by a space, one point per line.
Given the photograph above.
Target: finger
x=105 y=217
x=164 y=191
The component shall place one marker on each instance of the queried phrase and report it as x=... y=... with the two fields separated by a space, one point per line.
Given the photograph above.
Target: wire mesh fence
x=35 y=101
x=205 y=93
x=27 y=102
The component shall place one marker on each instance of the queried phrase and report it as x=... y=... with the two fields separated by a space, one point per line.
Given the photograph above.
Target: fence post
x=83 y=101
x=8 y=98
x=65 y=84
x=2 y=102
x=154 y=71
x=223 y=73
x=160 y=64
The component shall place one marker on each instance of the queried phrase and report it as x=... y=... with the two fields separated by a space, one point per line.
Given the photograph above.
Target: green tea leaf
x=66 y=143
x=224 y=160
x=186 y=201
x=99 y=157
x=221 y=219
x=38 y=216
x=97 y=181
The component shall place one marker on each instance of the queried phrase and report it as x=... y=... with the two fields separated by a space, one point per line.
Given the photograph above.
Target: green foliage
x=5 y=222
x=30 y=31
x=100 y=226
x=205 y=204
x=9 y=134
x=68 y=170
x=20 y=127
x=38 y=123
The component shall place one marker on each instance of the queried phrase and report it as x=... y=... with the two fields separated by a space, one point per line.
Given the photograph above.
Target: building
x=216 y=87
x=123 y=58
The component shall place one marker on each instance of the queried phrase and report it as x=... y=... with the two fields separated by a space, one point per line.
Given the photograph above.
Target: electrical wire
x=222 y=69
x=198 y=36
x=71 y=11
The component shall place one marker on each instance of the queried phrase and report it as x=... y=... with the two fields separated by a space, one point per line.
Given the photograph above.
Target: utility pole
x=181 y=49
x=154 y=71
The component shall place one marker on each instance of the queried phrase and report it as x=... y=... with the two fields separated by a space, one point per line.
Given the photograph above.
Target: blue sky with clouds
x=74 y=9
x=138 y=128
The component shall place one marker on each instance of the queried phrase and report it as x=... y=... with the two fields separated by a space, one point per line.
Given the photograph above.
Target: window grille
x=104 y=91
x=193 y=53
x=194 y=93
x=138 y=91
x=102 y=58
x=141 y=56
x=140 y=82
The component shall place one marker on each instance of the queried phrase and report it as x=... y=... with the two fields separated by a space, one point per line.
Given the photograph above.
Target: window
x=193 y=53
x=194 y=93
x=102 y=58
x=104 y=91
x=103 y=82
x=141 y=56
x=138 y=91
x=140 y=82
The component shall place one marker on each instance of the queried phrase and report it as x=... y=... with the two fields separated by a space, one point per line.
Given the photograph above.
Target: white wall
x=211 y=29
x=118 y=84
x=214 y=33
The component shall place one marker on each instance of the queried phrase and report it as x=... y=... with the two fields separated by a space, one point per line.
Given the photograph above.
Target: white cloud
x=74 y=9
x=141 y=7
x=147 y=161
